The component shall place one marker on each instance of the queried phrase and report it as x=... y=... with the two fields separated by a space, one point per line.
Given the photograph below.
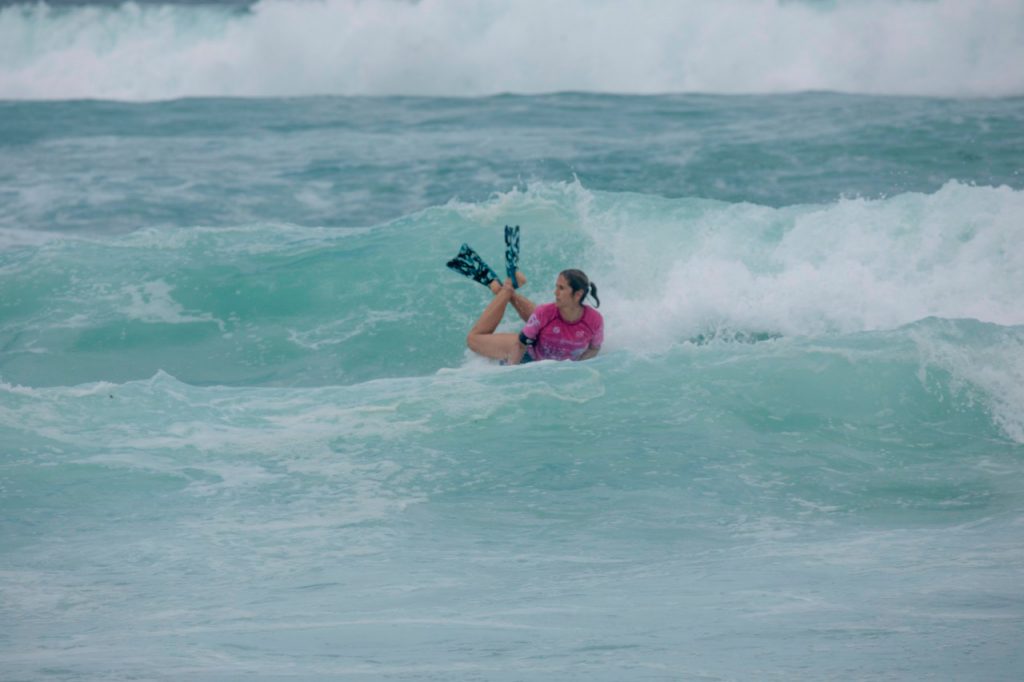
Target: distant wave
x=481 y=47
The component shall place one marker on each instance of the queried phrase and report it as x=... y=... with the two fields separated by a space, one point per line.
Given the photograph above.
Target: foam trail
x=471 y=48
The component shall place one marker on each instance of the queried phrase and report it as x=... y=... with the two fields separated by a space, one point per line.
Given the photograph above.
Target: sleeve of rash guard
x=534 y=324
x=597 y=340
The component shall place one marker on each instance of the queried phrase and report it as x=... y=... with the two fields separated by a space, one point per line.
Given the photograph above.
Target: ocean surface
x=241 y=437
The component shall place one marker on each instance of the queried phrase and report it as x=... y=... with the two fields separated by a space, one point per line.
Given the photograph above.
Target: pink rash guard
x=556 y=339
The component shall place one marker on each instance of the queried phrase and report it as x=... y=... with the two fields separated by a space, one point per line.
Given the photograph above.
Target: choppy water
x=240 y=436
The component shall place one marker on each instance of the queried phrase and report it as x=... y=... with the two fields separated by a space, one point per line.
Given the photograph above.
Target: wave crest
x=481 y=47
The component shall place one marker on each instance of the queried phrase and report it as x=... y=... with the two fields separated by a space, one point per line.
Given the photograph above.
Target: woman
x=564 y=330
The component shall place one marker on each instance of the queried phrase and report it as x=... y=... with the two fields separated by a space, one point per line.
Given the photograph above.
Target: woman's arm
x=589 y=353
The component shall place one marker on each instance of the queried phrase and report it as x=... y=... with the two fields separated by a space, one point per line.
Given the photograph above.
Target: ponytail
x=578 y=281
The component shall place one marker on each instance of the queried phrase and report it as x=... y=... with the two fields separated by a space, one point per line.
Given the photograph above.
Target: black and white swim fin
x=512 y=253
x=470 y=264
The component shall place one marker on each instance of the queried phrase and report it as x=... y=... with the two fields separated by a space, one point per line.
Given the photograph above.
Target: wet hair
x=578 y=281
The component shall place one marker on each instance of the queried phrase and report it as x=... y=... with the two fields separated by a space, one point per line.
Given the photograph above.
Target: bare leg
x=523 y=305
x=482 y=339
x=490 y=318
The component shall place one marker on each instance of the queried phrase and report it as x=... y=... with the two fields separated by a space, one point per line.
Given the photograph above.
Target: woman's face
x=563 y=293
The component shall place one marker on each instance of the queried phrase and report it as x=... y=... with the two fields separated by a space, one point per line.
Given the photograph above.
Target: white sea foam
x=674 y=269
x=479 y=47
x=14 y=239
x=152 y=302
x=339 y=331
x=991 y=372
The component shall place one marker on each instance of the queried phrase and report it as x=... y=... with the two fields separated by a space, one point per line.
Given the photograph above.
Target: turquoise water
x=241 y=437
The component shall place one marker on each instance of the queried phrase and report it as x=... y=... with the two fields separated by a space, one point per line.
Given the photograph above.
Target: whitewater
x=241 y=436
x=280 y=48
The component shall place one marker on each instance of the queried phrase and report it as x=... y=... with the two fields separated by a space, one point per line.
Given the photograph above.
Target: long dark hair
x=578 y=281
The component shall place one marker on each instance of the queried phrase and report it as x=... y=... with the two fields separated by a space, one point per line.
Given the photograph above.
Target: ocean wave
x=679 y=268
x=961 y=377
x=472 y=48
x=270 y=305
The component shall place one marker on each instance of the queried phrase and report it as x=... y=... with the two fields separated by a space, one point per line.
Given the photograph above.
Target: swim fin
x=470 y=264
x=512 y=254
